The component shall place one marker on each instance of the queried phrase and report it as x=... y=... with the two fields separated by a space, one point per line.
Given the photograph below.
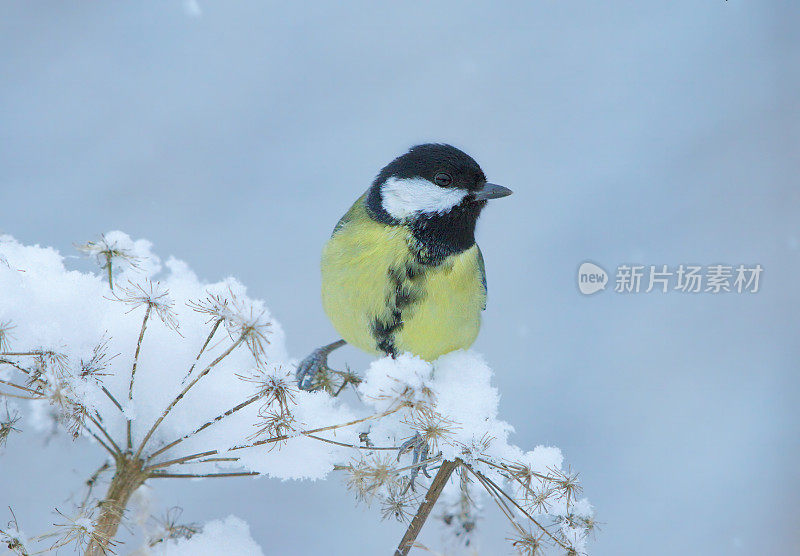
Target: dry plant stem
x=491 y=486
x=23 y=388
x=105 y=433
x=511 y=473
x=15 y=396
x=92 y=481
x=138 y=349
x=112 y=398
x=103 y=444
x=213 y=459
x=321 y=429
x=180 y=396
x=128 y=476
x=356 y=421
x=203 y=349
x=182 y=459
x=346 y=445
x=435 y=490
x=136 y=361
x=206 y=425
x=503 y=505
x=190 y=458
x=499 y=496
x=270 y=440
x=13 y=364
x=203 y=476
x=110 y=271
x=488 y=483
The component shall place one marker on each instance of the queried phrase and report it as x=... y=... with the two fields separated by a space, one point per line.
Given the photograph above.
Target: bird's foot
x=418 y=447
x=313 y=372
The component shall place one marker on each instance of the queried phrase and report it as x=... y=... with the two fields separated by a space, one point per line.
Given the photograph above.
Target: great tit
x=401 y=271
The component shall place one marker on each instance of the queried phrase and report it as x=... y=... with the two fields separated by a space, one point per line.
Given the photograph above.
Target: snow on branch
x=177 y=378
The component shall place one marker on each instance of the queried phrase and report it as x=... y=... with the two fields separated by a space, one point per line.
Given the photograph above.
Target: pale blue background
x=647 y=132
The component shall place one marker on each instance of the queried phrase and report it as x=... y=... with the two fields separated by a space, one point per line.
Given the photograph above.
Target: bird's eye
x=442 y=179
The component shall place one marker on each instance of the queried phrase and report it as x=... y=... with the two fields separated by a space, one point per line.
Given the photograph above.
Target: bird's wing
x=482 y=267
x=355 y=212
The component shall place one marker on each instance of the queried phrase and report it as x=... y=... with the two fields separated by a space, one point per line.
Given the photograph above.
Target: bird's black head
x=437 y=191
x=443 y=165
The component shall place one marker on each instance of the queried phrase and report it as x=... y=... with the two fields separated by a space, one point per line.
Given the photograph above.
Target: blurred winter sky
x=233 y=135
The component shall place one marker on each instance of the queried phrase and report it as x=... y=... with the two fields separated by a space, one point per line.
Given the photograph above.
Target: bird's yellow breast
x=374 y=291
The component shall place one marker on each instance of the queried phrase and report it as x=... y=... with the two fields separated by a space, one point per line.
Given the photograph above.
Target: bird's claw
x=315 y=367
x=310 y=368
x=418 y=446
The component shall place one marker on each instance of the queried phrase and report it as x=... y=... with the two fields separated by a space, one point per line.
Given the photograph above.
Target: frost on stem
x=13 y=537
x=369 y=475
x=97 y=365
x=242 y=319
x=5 y=335
x=273 y=388
x=109 y=252
x=46 y=376
x=151 y=295
x=274 y=425
x=432 y=427
x=169 y=527
x=7 y=423
x=277 y=393
x=398 y=503
x=528 y=544
x=79 y=530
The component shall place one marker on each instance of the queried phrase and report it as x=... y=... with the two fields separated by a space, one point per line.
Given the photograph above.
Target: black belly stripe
x=405 y=289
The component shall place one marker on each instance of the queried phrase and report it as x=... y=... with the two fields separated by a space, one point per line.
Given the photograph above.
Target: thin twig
x=112 y=398
x=110 y=269
x=483 y=477
x=321 y=429
x=23 y=388
x=280 y=438
x=180 y=396
x=208 y=460
x=356 y=446
x=203 y=476
x=91 y=482
x=15 y=365
x=509 y=474
x=357 y=421
x=15 y=396
x=136 y=362
x=206 y=425
x=105 y=433
x=181 y=460
x=202 y=349
x=495 y=493
x=511 y=471
x=103 y=444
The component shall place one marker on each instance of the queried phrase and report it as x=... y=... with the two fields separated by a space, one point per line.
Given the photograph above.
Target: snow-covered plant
x=175 y=378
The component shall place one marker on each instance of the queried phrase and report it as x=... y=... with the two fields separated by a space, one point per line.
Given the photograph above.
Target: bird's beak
x=491 y=191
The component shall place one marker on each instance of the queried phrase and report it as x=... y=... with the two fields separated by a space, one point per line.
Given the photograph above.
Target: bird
x=401 y=271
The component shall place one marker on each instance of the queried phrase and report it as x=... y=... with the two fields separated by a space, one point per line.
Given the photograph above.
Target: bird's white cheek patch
x=405 y=197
